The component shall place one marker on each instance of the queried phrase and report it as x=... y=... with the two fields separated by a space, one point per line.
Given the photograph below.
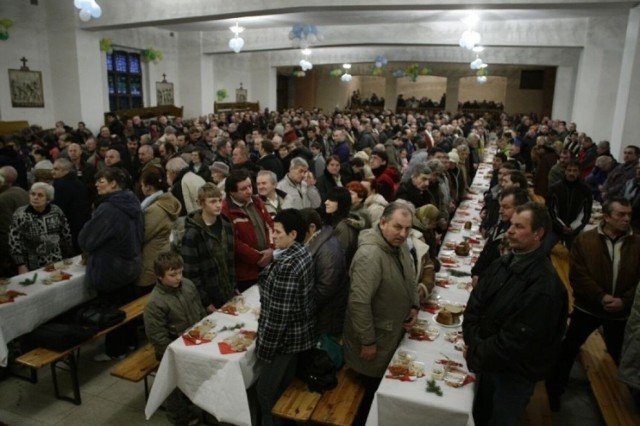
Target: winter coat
x=113 y=240
x=11 y=198
x=516 y=316
x=569 y=203
x=159 y=218
x=272 y=163
x=71 y=196
x=331 y=287
x=629 y=368
x=382 y=293
x=346 y=232
x=375 y=204
x=245 y=241
x=547 y=160
x=169 y=312
x=209 y=259
x=299 y=196
x=618 y=177
x=408 y=191
x=325 y=183
x=287 y=307
x=185 y=189
x=37 y=239
x=591 y=273
x=387 y=179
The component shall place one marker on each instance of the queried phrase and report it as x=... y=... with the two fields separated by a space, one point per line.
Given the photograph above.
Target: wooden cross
x=164 y=78
x=24 y=64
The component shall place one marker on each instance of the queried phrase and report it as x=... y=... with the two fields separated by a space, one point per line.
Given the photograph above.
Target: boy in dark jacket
x=173 y=307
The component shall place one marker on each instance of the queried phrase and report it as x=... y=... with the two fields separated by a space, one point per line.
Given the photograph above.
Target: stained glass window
x=124 y=77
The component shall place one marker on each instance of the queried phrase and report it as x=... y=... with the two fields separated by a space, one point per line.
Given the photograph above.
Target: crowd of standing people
x=338 y=219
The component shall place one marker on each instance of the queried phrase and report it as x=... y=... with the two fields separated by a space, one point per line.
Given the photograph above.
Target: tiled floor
x=107 y=400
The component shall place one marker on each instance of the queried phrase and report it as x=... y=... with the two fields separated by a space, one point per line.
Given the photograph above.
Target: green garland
x=152 y=55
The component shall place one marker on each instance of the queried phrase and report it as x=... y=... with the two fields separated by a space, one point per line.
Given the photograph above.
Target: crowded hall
x=268 y=213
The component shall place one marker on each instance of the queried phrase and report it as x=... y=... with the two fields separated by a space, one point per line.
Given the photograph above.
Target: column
x=195 y=75
x=627 y=105
x=563 y=93
x=453 y=92
x=390 y=93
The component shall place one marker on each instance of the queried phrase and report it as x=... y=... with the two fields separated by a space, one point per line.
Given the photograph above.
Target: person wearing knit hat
x=454 y=157
x=367 y=168
x=426 y=216
x=219 y=173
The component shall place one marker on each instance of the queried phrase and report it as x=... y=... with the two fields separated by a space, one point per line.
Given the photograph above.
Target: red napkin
x=190 y=341
x=229 y=310
x=404 y=378
x=421 y=337
x=10 y=296
x=449 y=362
x=226 y=349
x=430 y=309
x=442 y=284
x=468 y=379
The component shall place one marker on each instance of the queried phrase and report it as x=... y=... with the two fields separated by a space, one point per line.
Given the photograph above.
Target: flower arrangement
x=106 y=45
x=5 y=24
x=221 y=94
x=425 y=70
x=375 y=71
x=412 y=70
x=152 y=55
x=336 y=72
x=299 y=73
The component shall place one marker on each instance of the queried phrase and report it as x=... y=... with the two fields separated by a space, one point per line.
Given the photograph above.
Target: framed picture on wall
x=164 y=93
x=241 y=94
x=26 y=89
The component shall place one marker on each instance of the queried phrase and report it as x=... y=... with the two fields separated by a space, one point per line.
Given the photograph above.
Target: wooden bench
x=40 y=357
x=138 y=366
x=338 y=406
x=614 y=399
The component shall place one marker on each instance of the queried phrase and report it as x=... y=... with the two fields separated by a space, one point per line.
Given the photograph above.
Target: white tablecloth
x=214 y=382
x=407 y=403
x=41 y=303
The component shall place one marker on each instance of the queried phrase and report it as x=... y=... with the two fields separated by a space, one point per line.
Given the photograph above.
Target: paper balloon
x=96 y=11
x=85 y=15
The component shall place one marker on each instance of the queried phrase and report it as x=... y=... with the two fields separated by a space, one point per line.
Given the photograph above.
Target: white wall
x=428 y=86
x=28 y=38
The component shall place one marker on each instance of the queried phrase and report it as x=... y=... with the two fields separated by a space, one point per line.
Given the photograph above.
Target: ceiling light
x=478 y=49
x=346 y=66
x=236 y=43
x=306 y=51
x=472 y=19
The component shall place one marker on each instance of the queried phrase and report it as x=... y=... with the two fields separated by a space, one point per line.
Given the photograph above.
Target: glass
x=134 y=64
x=109 y=62
x=121 y=62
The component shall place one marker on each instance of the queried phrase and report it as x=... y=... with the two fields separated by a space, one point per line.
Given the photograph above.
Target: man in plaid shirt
x=287 y=320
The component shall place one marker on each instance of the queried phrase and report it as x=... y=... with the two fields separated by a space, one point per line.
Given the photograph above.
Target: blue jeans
x=501 y=398
x=274 y=379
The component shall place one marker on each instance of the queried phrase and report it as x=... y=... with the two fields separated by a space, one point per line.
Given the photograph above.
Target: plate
x=448 y=325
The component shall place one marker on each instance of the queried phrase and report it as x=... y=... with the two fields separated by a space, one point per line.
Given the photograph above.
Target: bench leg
x=71 y=362
x=32 y=378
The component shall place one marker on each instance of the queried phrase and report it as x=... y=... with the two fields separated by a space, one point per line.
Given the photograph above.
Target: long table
x=215 y=382
x=40 y=303
x=401 y=402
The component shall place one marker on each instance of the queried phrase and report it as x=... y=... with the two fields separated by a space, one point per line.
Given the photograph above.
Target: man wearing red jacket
x=252 y=227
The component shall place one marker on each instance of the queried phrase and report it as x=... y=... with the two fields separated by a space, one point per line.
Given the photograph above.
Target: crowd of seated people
x=220 y=189
x=357 y=101
x=480 y=105
x=424 y=102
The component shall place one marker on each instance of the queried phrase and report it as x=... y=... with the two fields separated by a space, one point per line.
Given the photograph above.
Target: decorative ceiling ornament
x=481 y=74
x=377 y=71
x=88 y=9
x=298 y=73
x=152 y=55
x=470 y=38
x=106 y=45
x=304 y=35
x=336 y=72
x=305 y=63
x=5 y=24
x=380 y=61
x=399 y=73
x=346 y=77
x=236 y=43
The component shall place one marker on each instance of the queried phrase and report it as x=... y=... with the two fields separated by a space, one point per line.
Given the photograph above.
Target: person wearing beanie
x=219 y=173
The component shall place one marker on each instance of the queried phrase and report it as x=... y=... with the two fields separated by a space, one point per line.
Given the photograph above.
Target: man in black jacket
x=514 y=321
x=71 y=196
x=569 y=202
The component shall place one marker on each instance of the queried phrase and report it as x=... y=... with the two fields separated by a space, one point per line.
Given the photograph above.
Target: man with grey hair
x=272 y=196
x=72 y=198
x=11 y=197
x=184 y=184
x=299 y=185
x=383 y=299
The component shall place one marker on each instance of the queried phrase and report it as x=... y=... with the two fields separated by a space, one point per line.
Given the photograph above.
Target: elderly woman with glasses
x=39 y=232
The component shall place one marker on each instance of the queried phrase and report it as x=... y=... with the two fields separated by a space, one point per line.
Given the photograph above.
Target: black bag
x=316 y=370
x=57 y=337
x=99 y=317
